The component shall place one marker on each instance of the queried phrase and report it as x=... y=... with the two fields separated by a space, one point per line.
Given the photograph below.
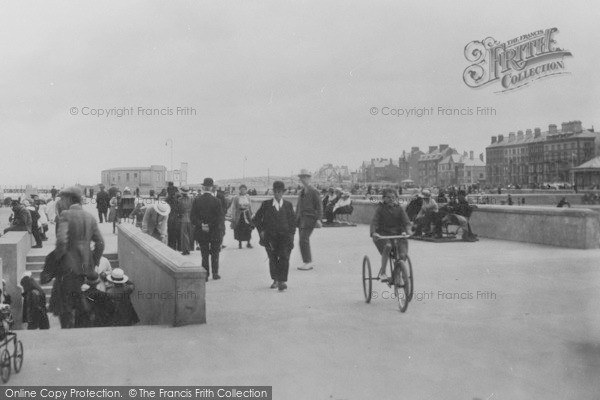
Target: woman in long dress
x=241 y=215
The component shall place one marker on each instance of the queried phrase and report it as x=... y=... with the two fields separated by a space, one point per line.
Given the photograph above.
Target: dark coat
x=21 y=220
x=124 y=313
x=275 y=224
x=207 y=209
x=389 y=219
x=98 y=308
x=102 y=201
x=66 y=289
x=413 y=208
x=77 y=229
x=34 y=305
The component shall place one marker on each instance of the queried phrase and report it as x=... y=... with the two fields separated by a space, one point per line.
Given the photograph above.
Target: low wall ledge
x=168 y=259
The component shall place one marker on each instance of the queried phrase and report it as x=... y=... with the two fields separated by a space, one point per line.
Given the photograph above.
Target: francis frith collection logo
x=516 y=62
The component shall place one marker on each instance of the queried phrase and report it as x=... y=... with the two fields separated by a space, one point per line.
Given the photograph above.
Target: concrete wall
x=14 y=247
x=548 y=199
x=563 y=227
x=169 y=288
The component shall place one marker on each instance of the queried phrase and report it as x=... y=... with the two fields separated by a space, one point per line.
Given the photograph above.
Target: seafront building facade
x=533 y=158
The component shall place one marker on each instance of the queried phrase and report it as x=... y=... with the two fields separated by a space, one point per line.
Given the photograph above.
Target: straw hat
x=304 y=172
x=117 y=276
x=162 y=207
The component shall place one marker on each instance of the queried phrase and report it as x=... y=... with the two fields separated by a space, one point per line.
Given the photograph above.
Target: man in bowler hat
x=207 y=217
x=276 y=224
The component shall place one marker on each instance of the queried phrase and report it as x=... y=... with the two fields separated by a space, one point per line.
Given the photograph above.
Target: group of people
x=86 y=291
x=336 y=202
x=34 y=216
x=429 y=217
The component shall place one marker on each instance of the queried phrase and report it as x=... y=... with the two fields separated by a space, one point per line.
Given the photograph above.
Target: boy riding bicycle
x=390 y=219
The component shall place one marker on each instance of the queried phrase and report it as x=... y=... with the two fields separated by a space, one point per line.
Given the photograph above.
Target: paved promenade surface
x=533 y=333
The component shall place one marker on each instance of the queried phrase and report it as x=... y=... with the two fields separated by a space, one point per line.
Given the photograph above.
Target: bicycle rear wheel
x=366 y=279
x=401 y=285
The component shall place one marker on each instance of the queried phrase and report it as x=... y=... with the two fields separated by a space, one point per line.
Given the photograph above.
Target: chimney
x=500 y=138
x=443 y=147
x=432 y=149
x=577 y=127
x=528 y=134
x=511 y=136
x=493 y=139
x=414 y=150
x=520 y=135
x=565 y=127
x=538 y=132
x=464 y=153
x=552 y=128
x=471 y=155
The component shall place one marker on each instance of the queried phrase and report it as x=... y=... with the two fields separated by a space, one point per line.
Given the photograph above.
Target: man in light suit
x=155 y=220
x=308 y=216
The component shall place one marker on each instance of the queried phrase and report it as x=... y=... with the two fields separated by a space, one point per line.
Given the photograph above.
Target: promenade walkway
x=492 y=319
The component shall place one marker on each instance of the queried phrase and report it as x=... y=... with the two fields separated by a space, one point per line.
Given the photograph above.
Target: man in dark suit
x=208 y=218
x=102 y=204
x=184 y=208
x=276 y=224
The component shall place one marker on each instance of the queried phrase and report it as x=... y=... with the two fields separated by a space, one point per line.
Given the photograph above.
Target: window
x=135 y=175
x=127 y=176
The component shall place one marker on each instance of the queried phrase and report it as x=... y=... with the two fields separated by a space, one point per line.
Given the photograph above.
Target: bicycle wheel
x=366 y=278
x=18 y=355
x=410 y=279
x=5 y=366
x=401 y=285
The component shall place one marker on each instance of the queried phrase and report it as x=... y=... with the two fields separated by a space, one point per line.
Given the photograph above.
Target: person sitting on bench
x=428 y=215
x=459 y=212
x=343 y=206
x=329 y=208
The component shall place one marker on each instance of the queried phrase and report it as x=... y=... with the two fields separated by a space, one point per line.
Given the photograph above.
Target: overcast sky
x=287 y=85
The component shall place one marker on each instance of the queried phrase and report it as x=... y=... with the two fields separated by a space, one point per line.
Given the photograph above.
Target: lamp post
x=166 y=144
x=244 y=167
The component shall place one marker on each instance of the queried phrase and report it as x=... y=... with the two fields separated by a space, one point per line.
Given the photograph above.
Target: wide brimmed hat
x=184 y=189
x=163 y=208
x=208 y=182
x=117 y=276
x=278 y=185
x=426 y=193
x=304 y=172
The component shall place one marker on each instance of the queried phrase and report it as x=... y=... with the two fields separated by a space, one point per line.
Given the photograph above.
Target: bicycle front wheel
x=401 y=285
x=410 y=279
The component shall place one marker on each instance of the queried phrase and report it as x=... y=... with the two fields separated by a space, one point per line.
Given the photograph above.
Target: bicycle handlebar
x=403 y=236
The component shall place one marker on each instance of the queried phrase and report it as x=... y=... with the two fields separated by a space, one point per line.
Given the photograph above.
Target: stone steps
x=35 y=264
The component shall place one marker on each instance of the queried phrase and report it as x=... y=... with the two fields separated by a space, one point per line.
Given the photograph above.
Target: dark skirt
x=243 y=230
